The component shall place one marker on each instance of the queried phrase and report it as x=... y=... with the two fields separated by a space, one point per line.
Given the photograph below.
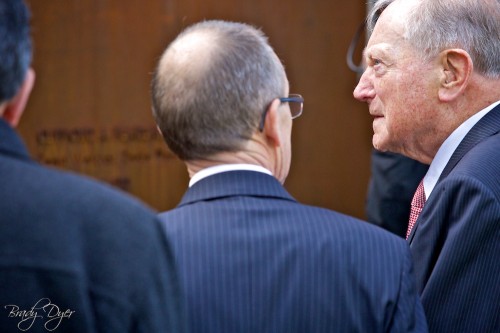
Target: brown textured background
x=90 y=109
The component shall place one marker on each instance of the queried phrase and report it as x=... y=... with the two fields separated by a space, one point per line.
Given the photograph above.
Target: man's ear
x=15 y=106
x=456 y=69
x=272 y=124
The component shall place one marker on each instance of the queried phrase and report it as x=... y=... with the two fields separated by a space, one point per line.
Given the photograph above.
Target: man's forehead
x=389 y=32
x=396 y=13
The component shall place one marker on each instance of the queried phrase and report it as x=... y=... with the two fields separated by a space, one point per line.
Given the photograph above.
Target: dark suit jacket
x=394 y=179
x=252 y=259
x=70 y=245
x=456 y=241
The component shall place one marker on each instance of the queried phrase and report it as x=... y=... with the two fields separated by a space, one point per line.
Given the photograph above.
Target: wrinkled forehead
x=396 y=14
x=388 y=35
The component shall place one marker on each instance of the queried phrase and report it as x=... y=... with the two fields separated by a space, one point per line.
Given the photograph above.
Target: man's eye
x=378 y=66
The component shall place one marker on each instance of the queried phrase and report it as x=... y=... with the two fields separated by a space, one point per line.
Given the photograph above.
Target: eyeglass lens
x=295 y=108
x=296 y=103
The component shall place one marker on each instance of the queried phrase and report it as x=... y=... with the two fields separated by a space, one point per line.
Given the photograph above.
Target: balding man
x=251 y=258
x=75 y=256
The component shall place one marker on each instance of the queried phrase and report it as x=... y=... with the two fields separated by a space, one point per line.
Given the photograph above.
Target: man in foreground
x=75 y=256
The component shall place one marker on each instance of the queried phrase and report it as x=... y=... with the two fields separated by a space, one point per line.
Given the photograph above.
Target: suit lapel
x=235 y=183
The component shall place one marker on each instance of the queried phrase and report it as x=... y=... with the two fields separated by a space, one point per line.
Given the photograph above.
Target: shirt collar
x=448 y=147
x=224 y=168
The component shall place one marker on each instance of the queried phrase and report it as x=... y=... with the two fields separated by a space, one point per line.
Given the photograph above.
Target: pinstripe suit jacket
x=252 y=259
x=456 y=241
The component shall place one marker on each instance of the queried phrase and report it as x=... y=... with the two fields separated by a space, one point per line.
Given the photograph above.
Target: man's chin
x=379 y=145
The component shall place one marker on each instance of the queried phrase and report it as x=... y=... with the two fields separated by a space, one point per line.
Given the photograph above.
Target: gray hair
x=211 y=100
x=435 y=25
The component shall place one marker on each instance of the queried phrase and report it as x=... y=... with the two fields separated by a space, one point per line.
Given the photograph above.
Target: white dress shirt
x=448 y=148
x=224 y=168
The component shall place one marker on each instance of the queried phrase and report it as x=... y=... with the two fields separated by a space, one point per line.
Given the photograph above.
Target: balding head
x=186 y=62
x=212 y=85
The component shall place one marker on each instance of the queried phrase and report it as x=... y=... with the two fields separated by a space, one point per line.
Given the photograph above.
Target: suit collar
x=235 y=183
x=212 y=170
x=10 y=142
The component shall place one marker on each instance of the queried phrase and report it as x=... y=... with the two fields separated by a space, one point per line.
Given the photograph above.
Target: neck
x=482 y=93
x=2 y=108
x=254 y=152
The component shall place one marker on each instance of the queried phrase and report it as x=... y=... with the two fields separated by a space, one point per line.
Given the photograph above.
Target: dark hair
x=211 y=100
x=15 y=46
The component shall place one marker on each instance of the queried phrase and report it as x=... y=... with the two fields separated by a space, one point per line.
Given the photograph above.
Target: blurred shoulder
x=65 y=194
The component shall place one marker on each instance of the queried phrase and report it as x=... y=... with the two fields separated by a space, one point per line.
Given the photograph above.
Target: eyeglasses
x=296 y=103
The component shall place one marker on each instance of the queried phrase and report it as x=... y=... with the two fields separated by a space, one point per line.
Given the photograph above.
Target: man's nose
x=364 y=91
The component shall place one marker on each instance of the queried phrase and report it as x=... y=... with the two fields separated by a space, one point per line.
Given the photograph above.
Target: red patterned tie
x=417 y=203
